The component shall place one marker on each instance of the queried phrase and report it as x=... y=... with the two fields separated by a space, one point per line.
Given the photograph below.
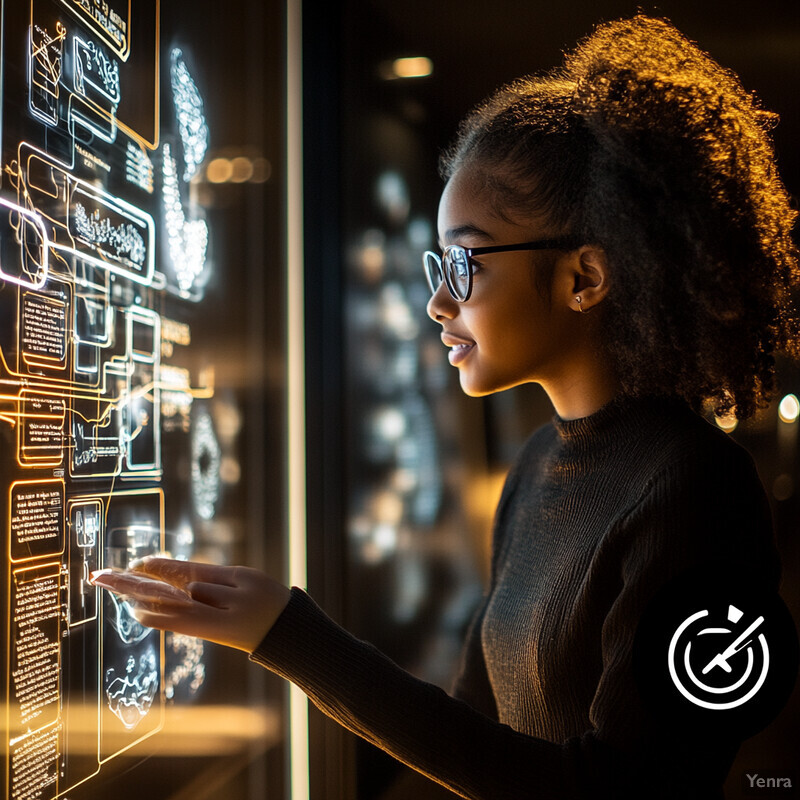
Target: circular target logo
x=736 y=671
x=717 y=649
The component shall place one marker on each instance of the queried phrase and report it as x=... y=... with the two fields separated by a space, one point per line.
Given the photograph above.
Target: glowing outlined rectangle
x=82 y=78
x=35 y=519
x=43 y=342
x=44 y=75
x=96 y=449
x=88 y=538
x=24 y=577
x=128 y=117
x=40 y=432
x=142 y=411
x=105 y=752
x=135 y=232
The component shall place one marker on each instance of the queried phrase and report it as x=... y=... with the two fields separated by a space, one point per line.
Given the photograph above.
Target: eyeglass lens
x=457 y=268
x=453 y=267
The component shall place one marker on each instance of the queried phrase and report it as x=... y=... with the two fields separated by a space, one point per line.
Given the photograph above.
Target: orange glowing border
x=9 y=741
x=33 y=482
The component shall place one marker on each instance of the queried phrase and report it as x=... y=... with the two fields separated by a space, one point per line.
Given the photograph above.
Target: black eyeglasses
x=454 y=266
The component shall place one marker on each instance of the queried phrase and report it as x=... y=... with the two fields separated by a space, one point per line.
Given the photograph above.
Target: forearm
x=414 y=721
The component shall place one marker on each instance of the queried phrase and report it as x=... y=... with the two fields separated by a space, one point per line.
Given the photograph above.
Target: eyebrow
x=453 y=234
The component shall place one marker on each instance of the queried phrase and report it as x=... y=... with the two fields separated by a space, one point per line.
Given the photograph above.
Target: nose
x=442 y=305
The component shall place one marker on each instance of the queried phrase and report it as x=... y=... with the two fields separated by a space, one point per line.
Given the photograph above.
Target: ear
x=590 y=277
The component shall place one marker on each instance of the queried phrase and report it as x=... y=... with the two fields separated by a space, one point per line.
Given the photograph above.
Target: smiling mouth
x=458 y=353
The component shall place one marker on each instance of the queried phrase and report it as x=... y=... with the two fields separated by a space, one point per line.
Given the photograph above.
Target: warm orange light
x=241 y=169
x=219 y=170
x=412 y=67
x=262 y=169
x=789 y=409
x=728 y=422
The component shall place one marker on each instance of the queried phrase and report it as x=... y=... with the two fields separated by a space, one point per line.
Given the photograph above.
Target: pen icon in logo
x=727 y=679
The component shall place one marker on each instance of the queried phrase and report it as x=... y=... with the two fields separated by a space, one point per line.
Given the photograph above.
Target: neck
x=583 y=389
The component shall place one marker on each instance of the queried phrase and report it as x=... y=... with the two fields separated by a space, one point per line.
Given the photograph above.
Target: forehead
x=469 y=213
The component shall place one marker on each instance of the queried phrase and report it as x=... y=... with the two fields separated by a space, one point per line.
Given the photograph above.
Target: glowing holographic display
x=82 y=293
x=189 y=111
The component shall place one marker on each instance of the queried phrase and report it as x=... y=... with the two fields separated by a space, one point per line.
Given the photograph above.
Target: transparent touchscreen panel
x=120 y=437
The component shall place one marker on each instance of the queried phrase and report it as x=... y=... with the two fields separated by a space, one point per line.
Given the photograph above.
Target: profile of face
x=510 y=332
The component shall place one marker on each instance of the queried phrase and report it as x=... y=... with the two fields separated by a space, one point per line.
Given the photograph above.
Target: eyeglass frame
x=561 y=243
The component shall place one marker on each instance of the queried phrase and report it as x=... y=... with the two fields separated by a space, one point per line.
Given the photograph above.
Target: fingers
x=181 y=573
x=150 y=593
x=234 y=606
x=140 y=588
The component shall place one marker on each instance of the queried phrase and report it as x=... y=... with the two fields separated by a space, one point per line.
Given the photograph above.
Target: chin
x=473 y=388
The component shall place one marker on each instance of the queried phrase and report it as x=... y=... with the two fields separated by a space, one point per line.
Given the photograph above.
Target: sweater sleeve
x=416 y=722
x=623 y=754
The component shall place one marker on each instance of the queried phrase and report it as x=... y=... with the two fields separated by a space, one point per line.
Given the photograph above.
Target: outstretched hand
x=234 y=606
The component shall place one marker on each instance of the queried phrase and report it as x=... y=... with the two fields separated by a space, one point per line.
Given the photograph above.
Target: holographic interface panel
x=103 y=256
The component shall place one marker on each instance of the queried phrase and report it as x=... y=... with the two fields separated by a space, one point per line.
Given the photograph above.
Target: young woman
x=616 y=232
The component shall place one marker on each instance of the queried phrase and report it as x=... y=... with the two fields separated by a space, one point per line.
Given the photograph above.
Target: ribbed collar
x=622 y=415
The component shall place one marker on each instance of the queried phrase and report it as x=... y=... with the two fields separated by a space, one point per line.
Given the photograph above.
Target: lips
x=460 y=348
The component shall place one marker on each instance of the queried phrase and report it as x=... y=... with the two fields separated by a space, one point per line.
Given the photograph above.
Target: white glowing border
x=135 y=214
x=295 y=400
x=48 y=120
x=144 y=316
x=46 y=245
x=124 y=209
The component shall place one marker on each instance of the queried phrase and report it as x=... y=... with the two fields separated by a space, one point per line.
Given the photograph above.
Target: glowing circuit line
x=46 y=244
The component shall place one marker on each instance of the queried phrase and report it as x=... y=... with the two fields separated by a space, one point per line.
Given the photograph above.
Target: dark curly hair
x=643 y=144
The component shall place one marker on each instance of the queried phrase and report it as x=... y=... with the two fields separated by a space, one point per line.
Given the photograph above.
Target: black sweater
x=596 y=515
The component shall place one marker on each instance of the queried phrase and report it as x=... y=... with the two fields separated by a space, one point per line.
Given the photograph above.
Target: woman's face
x=507 y=333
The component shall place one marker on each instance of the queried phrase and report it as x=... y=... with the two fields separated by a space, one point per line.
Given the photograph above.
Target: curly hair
x=642 y=144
